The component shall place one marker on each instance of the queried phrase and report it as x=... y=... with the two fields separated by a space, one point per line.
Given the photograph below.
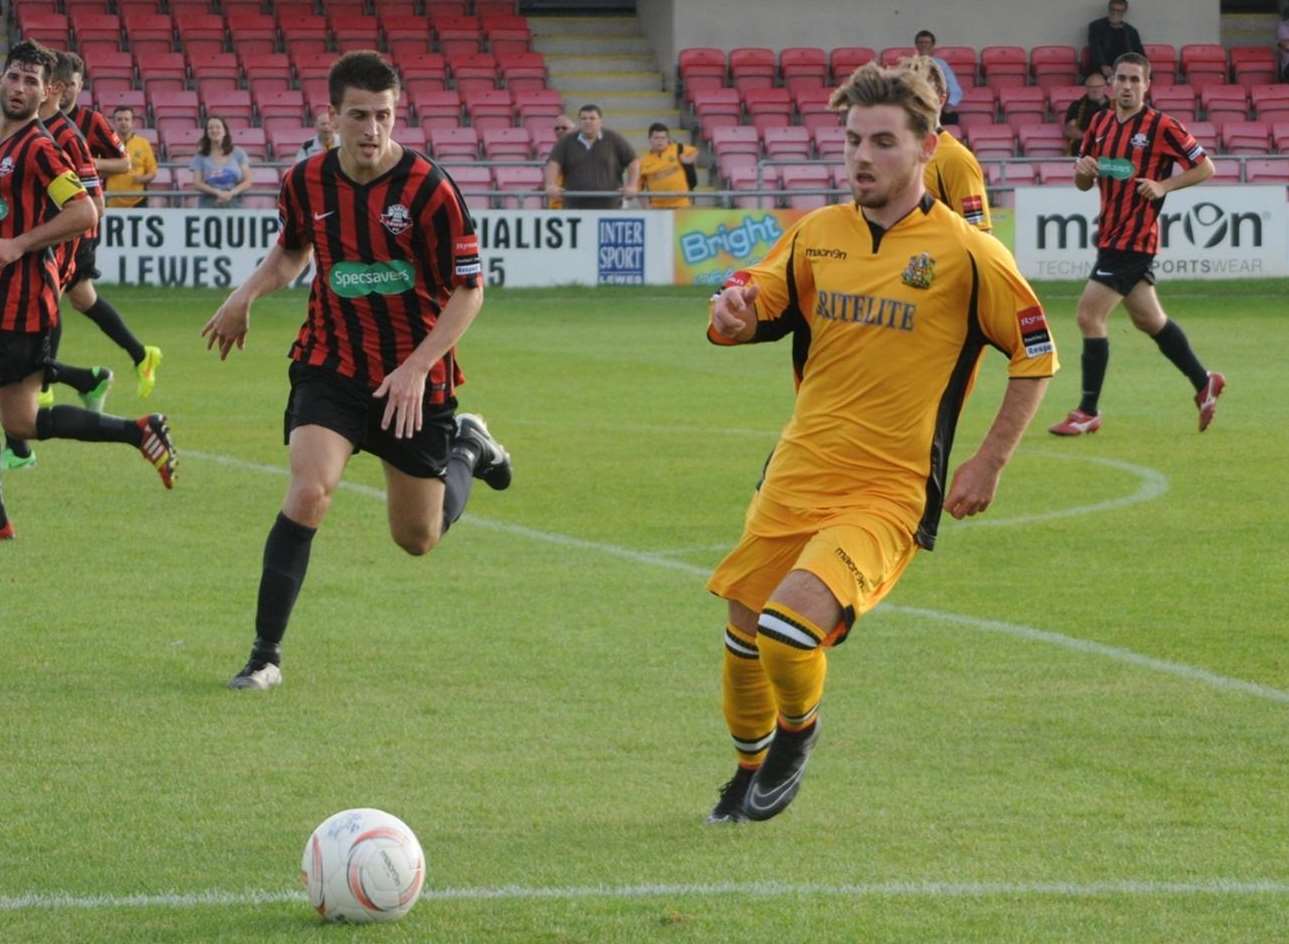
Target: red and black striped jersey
x=388 y=254
x=102 y=137
x=1145 y=145
x=35 y=182
x=77 y=152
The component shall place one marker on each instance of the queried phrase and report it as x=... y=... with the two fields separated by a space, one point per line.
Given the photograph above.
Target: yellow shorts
x=858 y=553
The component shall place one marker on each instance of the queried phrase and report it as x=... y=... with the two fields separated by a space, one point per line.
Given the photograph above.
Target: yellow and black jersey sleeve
x=781 y=278
x=955 y=179
x=1010 y=313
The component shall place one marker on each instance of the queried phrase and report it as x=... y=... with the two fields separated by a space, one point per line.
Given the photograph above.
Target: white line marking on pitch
x=216 y=898
x=1030 y=633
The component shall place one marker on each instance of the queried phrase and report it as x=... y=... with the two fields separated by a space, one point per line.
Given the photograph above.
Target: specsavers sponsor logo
x=1120 y=168
x=356 y=279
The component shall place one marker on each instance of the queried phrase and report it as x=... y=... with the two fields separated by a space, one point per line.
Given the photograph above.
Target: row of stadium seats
x=1199 y=64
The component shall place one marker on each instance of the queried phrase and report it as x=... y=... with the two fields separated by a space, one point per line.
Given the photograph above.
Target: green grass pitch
x=1069 y=725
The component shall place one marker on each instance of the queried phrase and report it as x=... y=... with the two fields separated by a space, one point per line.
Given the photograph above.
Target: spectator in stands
x=563 y=125
x=925 y=43
x=667 y=168
x=1080 y=112
x=143 y=163
x=221 y=171
x=593 y=159
x=1110 y=37
x=324 y=122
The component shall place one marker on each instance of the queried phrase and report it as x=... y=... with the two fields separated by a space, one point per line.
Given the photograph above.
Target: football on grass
x=363 y=865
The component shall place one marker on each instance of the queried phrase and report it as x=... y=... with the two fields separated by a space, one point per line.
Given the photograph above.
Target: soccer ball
x=363 y=865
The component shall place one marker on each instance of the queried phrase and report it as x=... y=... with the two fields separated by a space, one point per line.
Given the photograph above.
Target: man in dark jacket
x=1110 y=37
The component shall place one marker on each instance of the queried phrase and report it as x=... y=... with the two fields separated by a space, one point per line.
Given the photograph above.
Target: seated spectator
x=1110 y=37
x=324 y=122
x=143 y=163
x=563 y=125
x=593 y=159
x=221 y=172
x=1079 y=113
x=925 y=43
x=667 y=168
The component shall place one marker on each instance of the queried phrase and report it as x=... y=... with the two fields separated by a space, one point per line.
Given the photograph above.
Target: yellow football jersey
x=663 y=174
x=888 y=331
x=953 y=176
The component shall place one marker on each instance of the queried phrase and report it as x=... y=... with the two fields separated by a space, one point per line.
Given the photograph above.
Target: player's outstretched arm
x=228 y=326
x=975 y=482
x=733 y=313
x=404 y=387
x=76 y=217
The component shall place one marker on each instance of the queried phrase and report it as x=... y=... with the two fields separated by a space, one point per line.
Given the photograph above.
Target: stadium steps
x=586 y=35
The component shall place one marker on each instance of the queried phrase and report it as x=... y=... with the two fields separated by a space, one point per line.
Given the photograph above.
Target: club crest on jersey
x=396 y=218
x=6 y=167
x=920 y=272
x=1139 y=140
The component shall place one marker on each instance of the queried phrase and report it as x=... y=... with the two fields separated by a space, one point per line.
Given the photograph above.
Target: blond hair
x=871 y=85
x=930 y=70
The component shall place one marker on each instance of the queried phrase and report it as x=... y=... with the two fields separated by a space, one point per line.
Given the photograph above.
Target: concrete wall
x=677 y=24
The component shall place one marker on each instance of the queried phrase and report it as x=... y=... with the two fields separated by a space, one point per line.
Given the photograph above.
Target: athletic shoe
x=493 y=464
x=257 y=676
x=45 y=399
x=6 y=532
x=147 y=370
x=729 y=808
x=1206 y=398
x=9 y=461
x=1076 y=424
x=96 y=398
x=158 y=448
x=777 y=781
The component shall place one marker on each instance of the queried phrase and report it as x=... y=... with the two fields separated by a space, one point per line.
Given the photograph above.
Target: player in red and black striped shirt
x=1129 y=151
x=43 y=204
x=110 y=158
x=396 y=283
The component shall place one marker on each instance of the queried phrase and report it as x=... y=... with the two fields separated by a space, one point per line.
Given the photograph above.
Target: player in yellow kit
x=953 y=175
x=890 y=300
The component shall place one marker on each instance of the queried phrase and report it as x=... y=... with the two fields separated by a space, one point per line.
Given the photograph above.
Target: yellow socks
x=746 y=698
x=793 y=659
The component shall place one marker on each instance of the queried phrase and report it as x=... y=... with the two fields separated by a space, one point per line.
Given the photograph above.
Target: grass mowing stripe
x=1177 y=669
x=1125 y=887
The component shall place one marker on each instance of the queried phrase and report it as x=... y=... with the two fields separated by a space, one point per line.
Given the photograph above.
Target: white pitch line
x=1031 y=633
x=768 y=889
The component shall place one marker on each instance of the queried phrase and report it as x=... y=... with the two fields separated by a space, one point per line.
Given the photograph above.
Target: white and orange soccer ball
x=363 y=865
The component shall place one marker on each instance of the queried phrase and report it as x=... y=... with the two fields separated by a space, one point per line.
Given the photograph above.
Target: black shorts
x=22 y=355
x=83 y=267
x=321 y=397
x=1121 y=270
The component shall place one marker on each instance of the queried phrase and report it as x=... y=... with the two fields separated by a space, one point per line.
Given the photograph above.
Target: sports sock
x=457 y=484
x=80 y=379
x=17 y=446
x=72 y=422
x=110 y=323
x=795 y=663
x=286 y=558
x=746 y=697
x=1174 y=346
x=1096 y=357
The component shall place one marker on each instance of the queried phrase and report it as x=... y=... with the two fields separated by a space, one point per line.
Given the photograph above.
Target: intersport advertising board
x=219 y=248
x=1205 y=232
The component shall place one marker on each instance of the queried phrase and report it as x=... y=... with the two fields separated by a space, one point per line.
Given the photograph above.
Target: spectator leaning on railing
x=221 y=171
x=143 y=163
x=593 y=159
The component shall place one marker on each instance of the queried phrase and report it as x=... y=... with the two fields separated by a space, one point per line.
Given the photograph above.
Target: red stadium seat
x=846 y=59
x=752 y=67
x=1054 y=65
x=48 y=28
x=1226 y=170
x=768 y=101
x=283 y=103
x=744 y=177
x=1246 y=137
x=229 y=104
x=1206 y=134
x=405 y=31
x=506 y=144
x=166 y=70
x=1042 y=140
x=891 y=55
x=220 y=65
x=439 y=7
x=197 y=24
x=787 y=142
x=1056 y=173
x=167 y=103
x=474 y=183
x=1225 y=103
x=736 y=139
x=523 y=71
x=447 y=143
x=489 y=108
x=1163 y=63
x=422 y=65
x=1253 y=65
x=494 y=9
x=1003 y=65
x=180 y=143
x=520 y=178
x=132 y=98
x=435 y=107
x=531 y=103
x=1267 y=170
x=243 y=26
x=102 y=27
x=1270 y=102
x=142 y=26
x=962 y=60
x=803 y=67
x=412 y=137
x=1280 y=136
x=457 y=35
x=1175 y=100
x=829 y=142
x=543 y=140
x=473 y=71
x=1061 y=97
x=110 y=65
x=806 y=177
x=991 y=141
x=285 y=142
x=1026 y=101
x=701 y=69
x=1019 y=174
x=1204 y=64
x=254 y=142
x=978 y=106
x=507 y=35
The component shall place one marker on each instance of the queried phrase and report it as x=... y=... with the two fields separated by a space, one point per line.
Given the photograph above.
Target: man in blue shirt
x=925 y=43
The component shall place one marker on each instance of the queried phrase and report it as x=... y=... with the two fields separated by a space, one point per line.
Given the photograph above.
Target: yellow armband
x=64 y=187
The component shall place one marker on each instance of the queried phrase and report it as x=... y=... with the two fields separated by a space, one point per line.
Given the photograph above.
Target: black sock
x=286 y=558
x=72 y=422
x=1172 y=342
x=1096 y=357
x=110 y=323
x=80 y=379
x=17 y=446
x=458 y=481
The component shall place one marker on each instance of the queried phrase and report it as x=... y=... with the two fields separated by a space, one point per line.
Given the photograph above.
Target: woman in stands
x=221 y=171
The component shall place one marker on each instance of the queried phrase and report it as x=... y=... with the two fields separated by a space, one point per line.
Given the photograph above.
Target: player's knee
x=416 y=541
x=1088 y=320
x=308 y=502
